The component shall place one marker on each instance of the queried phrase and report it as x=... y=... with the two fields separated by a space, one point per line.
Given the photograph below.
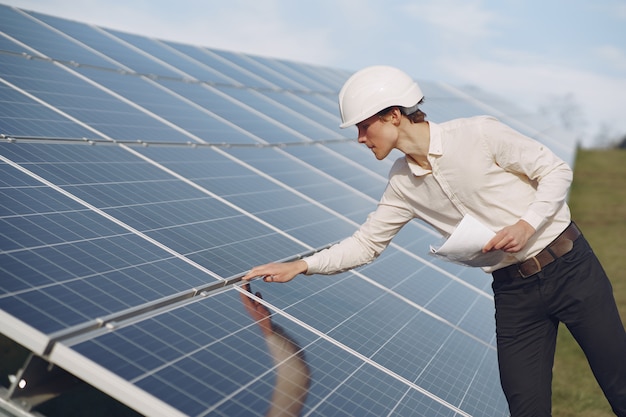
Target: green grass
x=598 y=204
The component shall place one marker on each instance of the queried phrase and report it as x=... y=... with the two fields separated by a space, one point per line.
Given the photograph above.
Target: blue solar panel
x=141 y=178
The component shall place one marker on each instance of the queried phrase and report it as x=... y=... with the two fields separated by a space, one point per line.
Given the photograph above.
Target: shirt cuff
x=534 y=219
x=311 y=265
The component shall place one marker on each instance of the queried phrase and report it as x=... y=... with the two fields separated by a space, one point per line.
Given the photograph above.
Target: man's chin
x=380 y=156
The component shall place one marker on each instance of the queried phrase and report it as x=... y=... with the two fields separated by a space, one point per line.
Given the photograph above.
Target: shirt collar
x=434 y=149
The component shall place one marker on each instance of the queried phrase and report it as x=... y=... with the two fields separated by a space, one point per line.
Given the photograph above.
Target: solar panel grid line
x=418 y=376
x=208 y=112
x=260 y=65
x=48 y=285
x=133 y=104
x=187 y=355
x=113 y=321
x=357 y=354
x=260 y=114
x=299 y=193
x=188 y=76
x=62 y=34
x=196 y=139
x=146 y=77
x=109 y=217
x=141 y=108
x=446 y=340
x=251 y=382
x=109 y=382
x=22 y=44
x=358 y=168
x=48 y=245
x=473 y=379
x=182 y=55
x=141 y=52
x=92 y=328
x=182 y=178
x=9 y=138
x=443 y=271
x=216 y=197
x=149 y=79
x=232 y=395
x=113 y=93
x=425 y=310
x=234 y=66
x=288 y=73
x=120 y=319
x=332 y=392
x=51 y=107
x=157 y=77
x=294 y=115
x=201 y=349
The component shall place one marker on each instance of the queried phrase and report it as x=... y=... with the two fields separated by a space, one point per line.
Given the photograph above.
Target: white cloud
x=456 y=19
x=613 y=56
x=257 y=28
x=536 y=84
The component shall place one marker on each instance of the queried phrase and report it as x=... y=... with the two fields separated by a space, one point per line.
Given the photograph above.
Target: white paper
x=465 y=245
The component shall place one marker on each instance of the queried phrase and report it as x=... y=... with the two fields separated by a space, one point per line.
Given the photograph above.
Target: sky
x=563 y=58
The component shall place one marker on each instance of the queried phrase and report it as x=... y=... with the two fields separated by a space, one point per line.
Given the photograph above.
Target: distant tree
x=622 y=144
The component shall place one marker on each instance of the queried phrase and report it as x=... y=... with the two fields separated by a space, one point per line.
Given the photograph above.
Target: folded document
x=465 y=244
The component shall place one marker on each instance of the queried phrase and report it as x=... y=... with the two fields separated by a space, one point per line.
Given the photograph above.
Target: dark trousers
x=574 y=290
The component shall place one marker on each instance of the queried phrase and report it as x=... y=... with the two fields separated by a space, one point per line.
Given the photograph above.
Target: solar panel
x=142 y=178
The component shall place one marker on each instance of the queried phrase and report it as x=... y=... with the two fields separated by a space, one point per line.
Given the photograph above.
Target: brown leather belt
x=559 y=247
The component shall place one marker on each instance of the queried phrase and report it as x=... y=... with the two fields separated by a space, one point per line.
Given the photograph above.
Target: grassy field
x=598 y=204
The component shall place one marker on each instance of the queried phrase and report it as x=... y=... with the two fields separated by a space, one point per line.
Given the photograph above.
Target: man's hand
x=277 y=272
x=511 y=238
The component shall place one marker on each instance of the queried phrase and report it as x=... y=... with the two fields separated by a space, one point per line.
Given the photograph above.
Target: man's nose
x=362 y=136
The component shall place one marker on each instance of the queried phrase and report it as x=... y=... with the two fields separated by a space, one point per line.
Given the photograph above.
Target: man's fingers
x=254 y=272
x=277 y=272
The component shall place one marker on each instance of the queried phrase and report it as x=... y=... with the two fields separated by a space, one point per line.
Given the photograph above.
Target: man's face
x=377 y=134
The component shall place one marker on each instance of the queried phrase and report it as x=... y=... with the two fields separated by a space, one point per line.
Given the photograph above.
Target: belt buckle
x=535 y=270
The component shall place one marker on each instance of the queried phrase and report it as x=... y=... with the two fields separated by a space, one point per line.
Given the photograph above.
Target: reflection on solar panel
x=141 y=178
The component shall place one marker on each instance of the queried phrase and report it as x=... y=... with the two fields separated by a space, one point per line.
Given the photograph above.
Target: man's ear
x=395 y=115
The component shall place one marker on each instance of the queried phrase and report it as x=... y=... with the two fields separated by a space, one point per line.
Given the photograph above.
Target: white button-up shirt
x=480 y=167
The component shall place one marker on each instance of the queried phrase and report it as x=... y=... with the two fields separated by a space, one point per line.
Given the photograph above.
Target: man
x=516 y=187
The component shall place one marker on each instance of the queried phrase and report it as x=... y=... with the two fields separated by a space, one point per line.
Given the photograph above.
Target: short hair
x=415 y=116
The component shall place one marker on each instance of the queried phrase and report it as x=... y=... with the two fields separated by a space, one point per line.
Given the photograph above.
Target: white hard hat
x=376 y=88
